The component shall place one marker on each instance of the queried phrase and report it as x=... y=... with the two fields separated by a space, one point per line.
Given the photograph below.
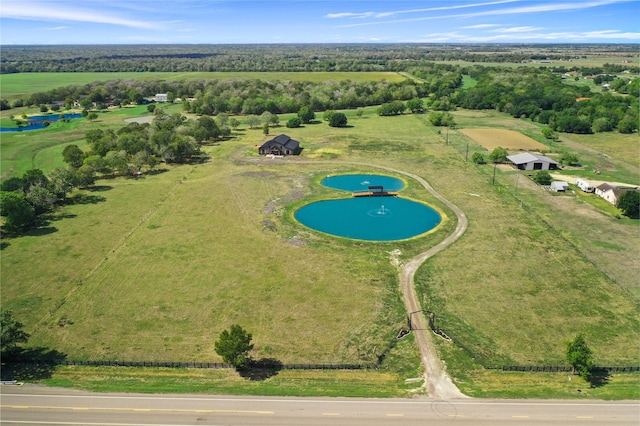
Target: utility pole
x=493 y=182
x=466 y=154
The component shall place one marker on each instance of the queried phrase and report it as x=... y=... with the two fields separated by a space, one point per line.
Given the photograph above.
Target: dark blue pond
x=36 y=122
x=369 y=218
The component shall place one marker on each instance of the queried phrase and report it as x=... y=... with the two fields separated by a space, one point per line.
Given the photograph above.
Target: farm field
x=170 y=260
x=508 y=139
x=13 y=85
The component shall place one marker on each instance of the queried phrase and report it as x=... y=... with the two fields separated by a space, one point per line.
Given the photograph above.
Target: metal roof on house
x=527 y=157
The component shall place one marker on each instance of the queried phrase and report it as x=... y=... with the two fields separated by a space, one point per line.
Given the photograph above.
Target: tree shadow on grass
x=598 y=379
x=261 y=369
x=87 y=199
x=30 y=364
x=100 y=188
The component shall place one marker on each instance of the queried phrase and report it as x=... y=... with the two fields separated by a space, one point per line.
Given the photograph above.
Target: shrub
x=338 y=120
x=294 y=122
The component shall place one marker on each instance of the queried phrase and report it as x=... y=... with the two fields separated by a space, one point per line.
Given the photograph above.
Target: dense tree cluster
x=170 y=138
x=23 y=199
x=542 y=96
x=257 y=96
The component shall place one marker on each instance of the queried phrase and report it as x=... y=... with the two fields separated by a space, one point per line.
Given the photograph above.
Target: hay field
x=508 y=139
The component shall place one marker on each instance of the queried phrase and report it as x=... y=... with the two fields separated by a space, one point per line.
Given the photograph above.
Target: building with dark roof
x=280 y=145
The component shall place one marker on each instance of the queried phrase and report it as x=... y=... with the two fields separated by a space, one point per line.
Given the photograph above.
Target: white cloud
x=479 y=26
x=457 y=37
x=59 y=12
x=400 y=12
x=62 y=27
x=517 y=30
x=541 y=8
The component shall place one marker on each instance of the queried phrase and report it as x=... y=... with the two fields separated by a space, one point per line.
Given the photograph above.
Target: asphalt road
x=36 y=405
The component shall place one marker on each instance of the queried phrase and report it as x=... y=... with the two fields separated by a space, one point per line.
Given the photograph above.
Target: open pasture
x=509 y=139
x=155 y=268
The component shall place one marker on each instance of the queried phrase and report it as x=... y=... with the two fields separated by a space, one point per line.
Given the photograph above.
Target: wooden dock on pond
x=375 y=191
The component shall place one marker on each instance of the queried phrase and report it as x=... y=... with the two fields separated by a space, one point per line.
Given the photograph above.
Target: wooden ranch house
x=528 y=161
x=280 y=145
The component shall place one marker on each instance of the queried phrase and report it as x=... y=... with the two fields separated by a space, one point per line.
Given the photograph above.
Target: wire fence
x=211 y=365
x=485 y=359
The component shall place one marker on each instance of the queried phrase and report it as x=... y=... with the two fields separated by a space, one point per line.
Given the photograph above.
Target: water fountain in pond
x=381 y=211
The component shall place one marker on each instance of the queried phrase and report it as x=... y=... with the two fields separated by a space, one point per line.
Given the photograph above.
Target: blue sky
x=329 y=21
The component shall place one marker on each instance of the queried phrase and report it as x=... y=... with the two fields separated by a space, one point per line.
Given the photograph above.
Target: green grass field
x=20 y=84
x=154 y=269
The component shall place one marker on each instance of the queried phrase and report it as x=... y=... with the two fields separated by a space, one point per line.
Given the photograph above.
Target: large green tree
x=498 y=155
x=17 y=211
x=629 y=203
x=73 y=155
x=12 y=333
x=306 y=115
x=234 y=346
x=579 y=356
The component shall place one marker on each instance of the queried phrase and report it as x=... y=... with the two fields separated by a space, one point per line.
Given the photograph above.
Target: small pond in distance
x=368 y=218
x=37 y=122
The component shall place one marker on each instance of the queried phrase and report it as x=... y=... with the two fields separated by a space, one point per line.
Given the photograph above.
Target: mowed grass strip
x=508 y=139
x=337 y=383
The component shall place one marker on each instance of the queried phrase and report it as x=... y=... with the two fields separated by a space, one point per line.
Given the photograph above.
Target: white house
x=528 y=161
x=161 y=97
x=611 y=193
x=559 y=186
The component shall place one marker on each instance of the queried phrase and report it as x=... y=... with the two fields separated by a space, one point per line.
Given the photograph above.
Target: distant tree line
x=238 y=96
x=284 y=57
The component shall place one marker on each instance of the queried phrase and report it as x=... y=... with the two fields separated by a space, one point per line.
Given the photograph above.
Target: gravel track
x=438 y=384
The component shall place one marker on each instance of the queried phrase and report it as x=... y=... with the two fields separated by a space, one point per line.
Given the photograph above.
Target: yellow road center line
x=330 y=414
x=584 y=417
